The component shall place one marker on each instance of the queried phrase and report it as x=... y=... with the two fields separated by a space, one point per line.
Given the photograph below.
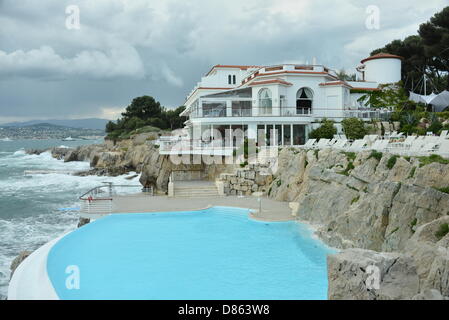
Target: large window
x=299 y=134
x=214 y=109
x=241 y=108
x=287 y=135
x=304 y=99
x=265 y=102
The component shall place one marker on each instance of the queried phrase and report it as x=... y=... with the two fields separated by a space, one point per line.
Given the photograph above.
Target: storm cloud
x=127 y=48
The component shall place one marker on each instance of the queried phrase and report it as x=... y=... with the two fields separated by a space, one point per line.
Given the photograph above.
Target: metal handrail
x=85 y=197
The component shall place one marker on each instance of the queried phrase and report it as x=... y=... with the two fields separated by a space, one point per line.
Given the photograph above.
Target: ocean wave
x=29 y=233
x=43 y=195
x=19 y=152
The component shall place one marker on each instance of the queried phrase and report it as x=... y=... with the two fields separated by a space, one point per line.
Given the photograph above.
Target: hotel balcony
x=223 y=112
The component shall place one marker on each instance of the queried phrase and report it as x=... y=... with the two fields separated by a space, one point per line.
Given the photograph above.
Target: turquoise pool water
x=216 y=253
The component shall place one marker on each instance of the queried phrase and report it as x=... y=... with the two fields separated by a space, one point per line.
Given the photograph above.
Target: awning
x=438 y=101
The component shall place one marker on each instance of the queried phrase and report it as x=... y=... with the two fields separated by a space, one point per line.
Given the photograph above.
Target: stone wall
x=246 y=181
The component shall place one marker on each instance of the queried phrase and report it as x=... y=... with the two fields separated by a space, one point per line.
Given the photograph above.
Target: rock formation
x=18 y=260
x=383 y=203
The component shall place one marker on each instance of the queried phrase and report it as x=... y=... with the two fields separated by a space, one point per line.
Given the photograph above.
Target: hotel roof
x=382 y=56
x=225 y=66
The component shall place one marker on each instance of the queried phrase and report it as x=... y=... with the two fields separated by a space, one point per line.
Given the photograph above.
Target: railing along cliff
x=100 y=200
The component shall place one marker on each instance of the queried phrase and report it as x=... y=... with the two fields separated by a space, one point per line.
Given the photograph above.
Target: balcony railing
x=254 y=112
x=368 y=114
x=317 y=112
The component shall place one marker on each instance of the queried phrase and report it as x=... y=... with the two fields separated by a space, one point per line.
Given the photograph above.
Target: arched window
x=229 y=79
x=304 y=99
x=265 y=101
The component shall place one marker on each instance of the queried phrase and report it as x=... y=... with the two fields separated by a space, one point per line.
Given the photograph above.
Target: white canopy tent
x=438 y=101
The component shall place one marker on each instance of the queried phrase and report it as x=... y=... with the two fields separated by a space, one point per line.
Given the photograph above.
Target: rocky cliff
x=139 y=154
x=391 y=206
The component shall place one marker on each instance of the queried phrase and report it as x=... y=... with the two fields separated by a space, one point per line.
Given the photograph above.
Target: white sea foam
x=28 y=234
x=20 y=152
x=51 y=192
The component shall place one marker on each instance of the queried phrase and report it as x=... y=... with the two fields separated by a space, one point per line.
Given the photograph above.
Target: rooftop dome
x=382 y=56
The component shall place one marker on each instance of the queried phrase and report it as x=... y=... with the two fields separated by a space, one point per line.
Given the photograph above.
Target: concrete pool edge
x=30 y=281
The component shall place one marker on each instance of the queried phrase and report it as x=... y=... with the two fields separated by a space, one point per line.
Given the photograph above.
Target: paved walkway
x=272 y=210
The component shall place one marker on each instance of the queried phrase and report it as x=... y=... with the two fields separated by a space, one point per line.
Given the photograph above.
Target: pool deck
x=272 y=210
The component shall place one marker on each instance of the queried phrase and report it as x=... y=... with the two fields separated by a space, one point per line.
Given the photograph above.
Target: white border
x=30 y=281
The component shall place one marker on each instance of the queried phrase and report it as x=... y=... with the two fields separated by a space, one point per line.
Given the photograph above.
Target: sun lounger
x=321 y=144
x=380 y=145
x=340 y=144
x=357 y=145
x=309 y=144
x=416 y=146
x=443 y=149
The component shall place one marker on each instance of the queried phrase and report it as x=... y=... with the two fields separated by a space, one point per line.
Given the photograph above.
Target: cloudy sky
x=51 y=69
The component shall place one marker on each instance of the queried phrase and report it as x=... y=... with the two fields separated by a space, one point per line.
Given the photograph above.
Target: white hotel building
x=287 y=100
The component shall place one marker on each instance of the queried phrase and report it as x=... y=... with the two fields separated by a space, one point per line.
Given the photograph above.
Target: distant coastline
x=45 y=131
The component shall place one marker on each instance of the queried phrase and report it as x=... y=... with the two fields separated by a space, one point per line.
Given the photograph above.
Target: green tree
x=391 y=96
x=354 y=128
x=426 y=53
x=327 y=130
x=435 y=37
x=173 y=118
x=110 y=126
x=144 y=107
x=342 y=75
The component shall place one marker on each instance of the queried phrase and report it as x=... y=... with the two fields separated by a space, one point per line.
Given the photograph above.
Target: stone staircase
x=195 y=189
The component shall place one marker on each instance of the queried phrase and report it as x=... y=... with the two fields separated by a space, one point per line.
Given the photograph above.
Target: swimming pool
x=215 y=253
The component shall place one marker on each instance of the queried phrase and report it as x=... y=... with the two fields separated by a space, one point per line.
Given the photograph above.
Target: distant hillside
x=45 y=130
x=91 y=123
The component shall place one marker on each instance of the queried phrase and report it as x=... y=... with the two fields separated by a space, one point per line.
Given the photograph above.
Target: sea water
x=35 y=209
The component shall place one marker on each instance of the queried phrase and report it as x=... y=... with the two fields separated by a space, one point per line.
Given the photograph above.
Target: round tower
x=382 y=68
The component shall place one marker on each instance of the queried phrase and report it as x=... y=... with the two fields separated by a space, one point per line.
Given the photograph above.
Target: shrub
x=423 y=161
x=413 y=224
x=354 y=128
x=244 y=164
x=327 y=130
x=391 y=162
x=355 y=199
x=435 y=127
x=409 y=129
x=350 y=155
x=442 y=231
x=412 y=173
x=445 y=189
x=394 y=230
x=376 y=155
x=349 y=167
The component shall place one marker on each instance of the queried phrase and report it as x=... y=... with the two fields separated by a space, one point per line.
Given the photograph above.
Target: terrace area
x=105 y=200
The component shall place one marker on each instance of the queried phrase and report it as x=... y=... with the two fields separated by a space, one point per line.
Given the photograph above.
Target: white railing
x=367 y=114
x=99 y=200
x=97 y=206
